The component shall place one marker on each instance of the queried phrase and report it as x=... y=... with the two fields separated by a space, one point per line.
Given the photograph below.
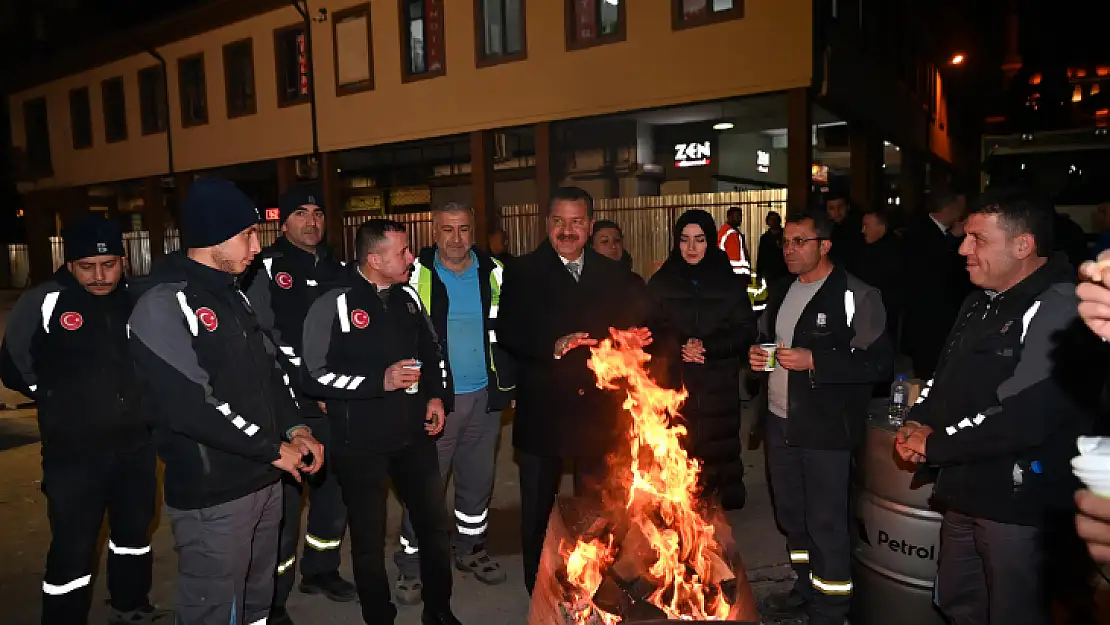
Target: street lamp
x=957 y=59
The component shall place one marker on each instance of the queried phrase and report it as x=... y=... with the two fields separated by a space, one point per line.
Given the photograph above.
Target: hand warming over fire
x=910 y=442
x=795 y=358
x=435 y=418
x=693 y=351
x=570 y=341
x=635 y=338
x=1094 y=295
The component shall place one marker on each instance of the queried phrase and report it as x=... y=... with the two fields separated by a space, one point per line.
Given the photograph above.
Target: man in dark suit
x=937 y=279
x=557 y=300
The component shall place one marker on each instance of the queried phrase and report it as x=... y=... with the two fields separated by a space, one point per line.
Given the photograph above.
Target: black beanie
x=92 y=235
x=297 y=197
x=215 y=210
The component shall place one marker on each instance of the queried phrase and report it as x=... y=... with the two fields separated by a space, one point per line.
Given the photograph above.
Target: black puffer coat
x=708 y=302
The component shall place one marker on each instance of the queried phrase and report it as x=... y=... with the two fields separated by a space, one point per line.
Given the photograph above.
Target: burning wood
x=649 y=553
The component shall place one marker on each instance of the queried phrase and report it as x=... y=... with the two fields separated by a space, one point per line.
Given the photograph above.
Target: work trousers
x=467 y=449
x=226 y=556
x=539 y=485
x=810 y=492
x=990 y=572
x=365 y=479
x=79 y=489
x=327 y=520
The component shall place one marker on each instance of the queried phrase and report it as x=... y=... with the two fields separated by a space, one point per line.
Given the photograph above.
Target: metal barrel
x=896 y=542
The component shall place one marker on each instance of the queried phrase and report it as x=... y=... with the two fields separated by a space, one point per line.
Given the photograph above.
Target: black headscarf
x=715 y=261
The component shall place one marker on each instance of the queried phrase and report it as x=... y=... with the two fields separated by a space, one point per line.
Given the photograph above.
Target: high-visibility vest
x=421 y=280
x=731 y=241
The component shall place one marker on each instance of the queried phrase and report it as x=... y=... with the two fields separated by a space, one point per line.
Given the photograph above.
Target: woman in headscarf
x=703 y=325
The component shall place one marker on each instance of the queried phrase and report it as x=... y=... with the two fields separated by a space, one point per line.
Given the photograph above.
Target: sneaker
x=481 y=565
x=280 y=616
x=409 y=590
x=330 y=585
x=142 y=616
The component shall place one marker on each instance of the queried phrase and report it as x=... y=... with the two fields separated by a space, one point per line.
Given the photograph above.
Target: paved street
x=25 y=536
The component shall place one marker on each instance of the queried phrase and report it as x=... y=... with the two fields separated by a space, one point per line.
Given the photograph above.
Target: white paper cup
x=1093 y=445
x=415 y=388
x=1091 y=463
x=770 y=349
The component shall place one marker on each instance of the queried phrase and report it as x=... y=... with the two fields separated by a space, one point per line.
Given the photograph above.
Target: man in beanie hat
x=281 y=286
x=226 y=416
x=66 y=347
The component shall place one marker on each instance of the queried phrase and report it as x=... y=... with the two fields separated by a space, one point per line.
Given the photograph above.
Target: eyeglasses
x=799 y=241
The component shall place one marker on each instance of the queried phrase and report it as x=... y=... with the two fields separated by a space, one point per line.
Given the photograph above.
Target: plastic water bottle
x=899 y=397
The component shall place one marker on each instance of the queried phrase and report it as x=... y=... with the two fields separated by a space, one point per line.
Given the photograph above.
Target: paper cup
x=770 y=349
x=1100 y=464
x=1093 y=445
x=415 y=388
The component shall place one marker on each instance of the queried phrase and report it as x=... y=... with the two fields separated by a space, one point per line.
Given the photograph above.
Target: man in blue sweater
x=460 y=287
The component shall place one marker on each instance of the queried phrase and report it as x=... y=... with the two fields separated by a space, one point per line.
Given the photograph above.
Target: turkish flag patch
x=208 y=319
x=359 y=318
x=284 y=280
x=71 y=320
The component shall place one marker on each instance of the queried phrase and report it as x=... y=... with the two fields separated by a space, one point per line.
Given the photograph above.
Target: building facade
x=395 y=105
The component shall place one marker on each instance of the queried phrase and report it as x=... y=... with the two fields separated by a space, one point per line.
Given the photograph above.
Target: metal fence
x=646 y=222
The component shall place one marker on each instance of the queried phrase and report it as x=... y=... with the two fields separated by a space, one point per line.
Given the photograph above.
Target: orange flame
x=662 y=496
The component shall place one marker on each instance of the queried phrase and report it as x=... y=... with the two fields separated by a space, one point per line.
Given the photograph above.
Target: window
x=115 y=110
x=690 y=13
x=354 y=59
x=291 y=55
x=152 y=100
x=422 y=37
x=594 y=22
x=194 y=95
x=500 y=31
x=37 y=127
x=239 y=78
x=80 y=118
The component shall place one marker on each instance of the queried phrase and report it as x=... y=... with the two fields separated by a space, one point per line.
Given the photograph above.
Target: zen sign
x=691 y=154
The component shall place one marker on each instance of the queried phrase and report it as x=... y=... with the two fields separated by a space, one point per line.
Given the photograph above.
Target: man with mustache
x=66 y=347
x=460 y=287
x=559 y=298
x=284 y=281
x=225 y=415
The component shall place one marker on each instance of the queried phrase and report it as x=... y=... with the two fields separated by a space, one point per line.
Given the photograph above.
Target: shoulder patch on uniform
x=71 y=320
x=207 y=318
x=359 y=318
x=284 y=280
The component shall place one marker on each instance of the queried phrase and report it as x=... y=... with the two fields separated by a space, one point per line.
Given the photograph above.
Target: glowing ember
x=660 y=499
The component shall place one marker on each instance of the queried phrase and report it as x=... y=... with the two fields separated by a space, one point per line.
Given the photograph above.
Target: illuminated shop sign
x=691 y=154
x=763 y=161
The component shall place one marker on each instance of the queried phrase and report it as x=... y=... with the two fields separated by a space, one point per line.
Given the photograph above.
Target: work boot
x=785 y=605
x=330 y=584
x=409 y=589
x=280 y=616
x=142 y=616
x=438 y=617
x=481 y=565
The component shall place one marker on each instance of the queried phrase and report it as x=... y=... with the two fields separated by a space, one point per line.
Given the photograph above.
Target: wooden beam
x=799 y=148
x=482 y=185
x=333 y=205
x=154 y=215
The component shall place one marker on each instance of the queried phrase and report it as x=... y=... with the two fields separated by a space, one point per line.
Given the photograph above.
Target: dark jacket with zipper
x=1011 y=390
x=499 y=366
x=210 y=376
x=714 y=308
x=281 y=286
x=844 y=326
x=560 y=411
x=67 y=349
x=352 y=335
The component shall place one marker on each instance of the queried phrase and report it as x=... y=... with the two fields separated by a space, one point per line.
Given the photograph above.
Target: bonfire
x=653 y=542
